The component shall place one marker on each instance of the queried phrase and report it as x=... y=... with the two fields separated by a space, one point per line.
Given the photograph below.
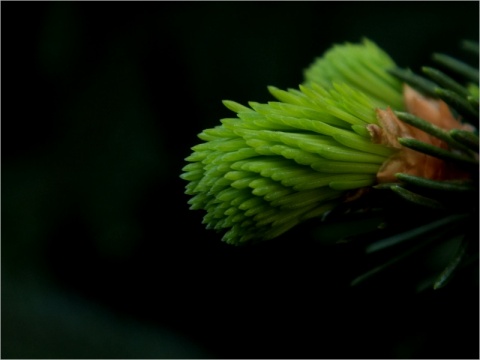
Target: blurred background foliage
x=101 y=257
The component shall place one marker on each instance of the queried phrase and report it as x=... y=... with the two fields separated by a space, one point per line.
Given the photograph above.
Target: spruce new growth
x=357 y=124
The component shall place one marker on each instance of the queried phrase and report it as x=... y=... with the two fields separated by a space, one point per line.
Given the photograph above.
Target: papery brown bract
x=409 y=161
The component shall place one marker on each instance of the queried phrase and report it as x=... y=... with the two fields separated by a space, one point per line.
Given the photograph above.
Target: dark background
x=101 y=257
